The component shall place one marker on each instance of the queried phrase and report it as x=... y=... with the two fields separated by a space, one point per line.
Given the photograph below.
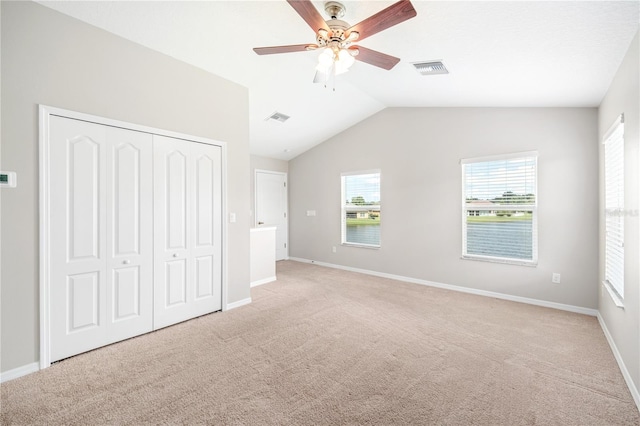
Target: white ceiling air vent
x=278 y=116
x=430 y=68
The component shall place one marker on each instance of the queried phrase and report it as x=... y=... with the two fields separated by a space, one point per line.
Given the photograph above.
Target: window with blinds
x=361 y=208
x=499 y=208
x=614 y=206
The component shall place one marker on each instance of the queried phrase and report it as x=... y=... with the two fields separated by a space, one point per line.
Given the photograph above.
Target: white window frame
x=343 y=209
x=614 y=210
x=517 y=207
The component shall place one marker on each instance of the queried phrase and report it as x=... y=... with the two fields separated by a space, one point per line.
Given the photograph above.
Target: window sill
x=532 y=264
x=366 y=246
x=617 y=300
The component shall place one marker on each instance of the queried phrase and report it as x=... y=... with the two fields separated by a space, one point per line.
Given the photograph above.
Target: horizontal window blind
x=361 y=208
x=500 y=208
x=614 y=207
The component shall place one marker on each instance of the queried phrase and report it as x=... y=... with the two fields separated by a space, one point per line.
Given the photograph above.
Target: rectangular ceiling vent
x=278 y=116
x=430 y=68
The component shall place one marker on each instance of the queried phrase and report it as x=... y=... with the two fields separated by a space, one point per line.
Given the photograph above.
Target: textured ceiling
x=504 y=53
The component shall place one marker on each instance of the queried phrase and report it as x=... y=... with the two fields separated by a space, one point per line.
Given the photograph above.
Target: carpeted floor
x=328 y=347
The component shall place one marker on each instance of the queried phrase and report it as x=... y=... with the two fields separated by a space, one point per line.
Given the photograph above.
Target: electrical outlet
x=555 y=278
x=333 y=249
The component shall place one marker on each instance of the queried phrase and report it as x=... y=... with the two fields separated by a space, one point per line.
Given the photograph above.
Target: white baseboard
x=623 y=368
x=237 y=304
x=263 y=281
x=527 y=300
x=19 y=372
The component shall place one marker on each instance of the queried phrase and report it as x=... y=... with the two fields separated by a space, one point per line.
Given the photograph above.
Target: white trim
x=45 y=226
x=499 y=157
x=237 y=304
x=264 y=281
x=623 y=368
x=266 y=228
x=19 y=372
x=614 y=126
x=361 y=172
x=225 y=230
x=527 y=300
x=126 y=125
x=502 y=260
x=617 y=300
x=45 y=112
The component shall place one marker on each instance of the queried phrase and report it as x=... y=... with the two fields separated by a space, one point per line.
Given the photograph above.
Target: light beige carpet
x=329 y=347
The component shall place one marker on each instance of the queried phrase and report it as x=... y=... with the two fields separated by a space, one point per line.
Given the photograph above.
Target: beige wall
x=263 y=163
x=418 y=151
x=49 y=58
x=623 y=96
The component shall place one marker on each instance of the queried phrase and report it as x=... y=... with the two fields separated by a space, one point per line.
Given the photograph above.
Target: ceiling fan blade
x=392 y=15
x=284 y=49
x=376 y=58
x=309 y=13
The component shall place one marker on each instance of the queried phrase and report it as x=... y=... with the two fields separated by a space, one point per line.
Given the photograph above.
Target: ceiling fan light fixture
x=340 y=59
x=344 y=61
x=326 y=58
x=353 y=36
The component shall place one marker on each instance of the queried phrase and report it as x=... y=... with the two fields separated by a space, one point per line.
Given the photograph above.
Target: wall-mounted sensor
x=8 y=180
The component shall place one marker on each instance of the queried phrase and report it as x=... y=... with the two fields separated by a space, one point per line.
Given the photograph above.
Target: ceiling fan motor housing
x=337 y=34
x=334 y=9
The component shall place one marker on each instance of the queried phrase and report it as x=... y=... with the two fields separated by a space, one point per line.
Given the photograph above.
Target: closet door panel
x=173 y=193
x=175 y=283
x=130 y=228
x=83 y=301
x=204 y=277
x=133 y=234
x=188 y=223
x=176 y=197
x=206 y=161
x=77 y=186
x=126 y=294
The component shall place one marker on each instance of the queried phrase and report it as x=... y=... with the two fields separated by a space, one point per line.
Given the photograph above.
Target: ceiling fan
x=335 y=37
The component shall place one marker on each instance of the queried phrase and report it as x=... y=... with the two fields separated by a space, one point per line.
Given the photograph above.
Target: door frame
x=45 y=113
x=286 y=201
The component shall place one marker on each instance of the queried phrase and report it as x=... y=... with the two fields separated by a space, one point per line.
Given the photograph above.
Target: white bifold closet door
x=101 y=235
x=135 y=240
x=188 y=241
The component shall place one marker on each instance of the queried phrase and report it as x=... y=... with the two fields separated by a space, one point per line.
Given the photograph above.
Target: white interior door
x=129 y=233
x=188 y=214
x=206 y=164
x=271 y=207
x=101 y=255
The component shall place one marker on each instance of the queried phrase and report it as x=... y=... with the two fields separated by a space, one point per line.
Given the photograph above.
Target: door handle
x=175 y=254
x=126 y=262
x=260 y=223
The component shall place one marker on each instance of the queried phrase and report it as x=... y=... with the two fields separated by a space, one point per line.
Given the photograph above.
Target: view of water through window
x=364 y=234
x=511 y=238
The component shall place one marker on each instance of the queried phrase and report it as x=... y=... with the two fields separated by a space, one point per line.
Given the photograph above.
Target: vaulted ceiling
x=499 y=54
